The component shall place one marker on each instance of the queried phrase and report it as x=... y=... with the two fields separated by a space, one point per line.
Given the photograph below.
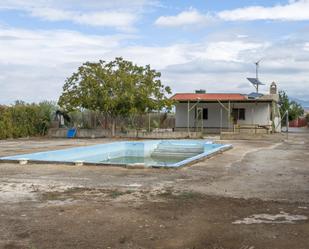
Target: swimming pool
x=150 y=153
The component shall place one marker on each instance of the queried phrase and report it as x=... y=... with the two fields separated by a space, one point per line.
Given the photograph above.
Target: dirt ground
x=253 y=196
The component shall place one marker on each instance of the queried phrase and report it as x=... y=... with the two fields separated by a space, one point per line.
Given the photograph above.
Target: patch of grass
x=77 y=190
x=189 y=195
x=77 y=193
x=186 y=195
x=116 y=193
x=51 y=196
x=59 y=195
x=168 y=193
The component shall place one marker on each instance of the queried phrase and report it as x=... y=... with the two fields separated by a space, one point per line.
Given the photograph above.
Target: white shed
x=215 y=112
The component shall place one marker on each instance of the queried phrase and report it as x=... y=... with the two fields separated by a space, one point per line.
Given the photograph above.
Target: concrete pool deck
x=47 y=206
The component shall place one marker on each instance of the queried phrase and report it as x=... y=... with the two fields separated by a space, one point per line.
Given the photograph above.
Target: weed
x=187 y=195
x=116 y=193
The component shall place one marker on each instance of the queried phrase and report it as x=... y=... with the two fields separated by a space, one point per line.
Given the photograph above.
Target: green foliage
x=23 y=120
x=117 y=89
x=294 y=108
x=284 y=102
x=307 y=117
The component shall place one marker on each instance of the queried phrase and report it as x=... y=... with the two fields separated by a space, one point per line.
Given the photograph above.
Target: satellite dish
x=255 y=81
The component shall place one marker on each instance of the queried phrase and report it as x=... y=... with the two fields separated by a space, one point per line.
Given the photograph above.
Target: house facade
x=215 y=112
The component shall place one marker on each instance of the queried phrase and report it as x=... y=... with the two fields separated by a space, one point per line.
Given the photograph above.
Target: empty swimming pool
x=150 y=153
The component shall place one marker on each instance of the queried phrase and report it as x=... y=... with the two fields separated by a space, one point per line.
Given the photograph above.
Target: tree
x=284 y=103
x=294 y=108
x=117 y=89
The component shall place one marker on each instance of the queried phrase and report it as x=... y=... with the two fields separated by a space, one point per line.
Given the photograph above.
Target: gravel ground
x=253 y=196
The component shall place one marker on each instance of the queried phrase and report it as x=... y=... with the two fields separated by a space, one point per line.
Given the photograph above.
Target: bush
x=23 y=120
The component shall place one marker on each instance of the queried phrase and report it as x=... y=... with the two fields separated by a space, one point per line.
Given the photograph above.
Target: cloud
x=306 y=46
x=229 y=50
x=28 y=47
x=293 y=11
x=204 y=66
x=79 y=4
x=35 y=63
x=120 y=20
x=185 y=18
x=119 y=14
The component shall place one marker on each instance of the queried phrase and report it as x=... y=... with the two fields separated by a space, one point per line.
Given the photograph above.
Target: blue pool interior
x=151 y=153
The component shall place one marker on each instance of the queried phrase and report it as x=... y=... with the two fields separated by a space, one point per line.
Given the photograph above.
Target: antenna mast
x=257 y=70
x=257 y=75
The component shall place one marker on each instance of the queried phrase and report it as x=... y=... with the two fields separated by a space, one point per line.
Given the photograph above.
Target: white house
x=215 y=112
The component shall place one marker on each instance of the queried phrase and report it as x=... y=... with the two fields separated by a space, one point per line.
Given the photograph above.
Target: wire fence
x=95 y=120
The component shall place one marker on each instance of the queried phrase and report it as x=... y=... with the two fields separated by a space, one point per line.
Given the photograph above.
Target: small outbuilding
x=216 y=112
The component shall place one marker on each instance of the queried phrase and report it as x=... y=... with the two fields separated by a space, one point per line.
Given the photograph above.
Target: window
x=198 y=113
x=239 y=113
x=205 y=113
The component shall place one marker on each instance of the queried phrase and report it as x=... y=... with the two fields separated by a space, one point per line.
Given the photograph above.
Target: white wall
x=255 y=113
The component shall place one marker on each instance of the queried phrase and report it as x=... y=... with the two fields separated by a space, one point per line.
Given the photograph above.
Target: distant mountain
x=304 y=103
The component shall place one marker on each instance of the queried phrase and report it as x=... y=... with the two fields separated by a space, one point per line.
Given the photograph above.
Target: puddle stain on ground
x=281 y=218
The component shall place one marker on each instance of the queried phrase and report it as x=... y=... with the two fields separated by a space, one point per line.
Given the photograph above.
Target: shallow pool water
x=156 y=153
x=144 y=160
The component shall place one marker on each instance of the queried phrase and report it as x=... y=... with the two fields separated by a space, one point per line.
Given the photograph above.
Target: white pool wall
x=102 y=152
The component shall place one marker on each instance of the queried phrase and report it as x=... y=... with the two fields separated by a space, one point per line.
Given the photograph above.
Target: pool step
x=177 y=150
x=197 y=150
x=169 y=154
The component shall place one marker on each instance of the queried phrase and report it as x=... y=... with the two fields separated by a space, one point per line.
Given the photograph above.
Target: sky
x=196 y=44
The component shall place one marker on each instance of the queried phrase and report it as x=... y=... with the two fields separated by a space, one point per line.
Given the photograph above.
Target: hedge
x=24 y=120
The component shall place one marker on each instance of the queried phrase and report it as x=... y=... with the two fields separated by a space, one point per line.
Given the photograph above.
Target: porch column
x=188 y=118
x=252 y=115
x=268 y=116
x=229 y=116
x=220 y=119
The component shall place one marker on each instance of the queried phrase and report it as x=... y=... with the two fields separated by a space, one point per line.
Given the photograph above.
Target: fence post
x=287 y=121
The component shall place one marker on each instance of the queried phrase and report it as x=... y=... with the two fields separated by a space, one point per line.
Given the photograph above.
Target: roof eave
x=239 y=100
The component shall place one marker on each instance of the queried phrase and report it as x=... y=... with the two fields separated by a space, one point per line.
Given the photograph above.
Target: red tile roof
x=208 y=96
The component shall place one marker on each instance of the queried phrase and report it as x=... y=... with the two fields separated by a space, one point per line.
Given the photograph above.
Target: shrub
x=23 y=120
